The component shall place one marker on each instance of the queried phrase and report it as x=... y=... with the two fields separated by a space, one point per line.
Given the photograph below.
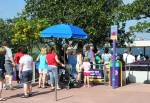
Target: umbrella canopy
x=64 y=31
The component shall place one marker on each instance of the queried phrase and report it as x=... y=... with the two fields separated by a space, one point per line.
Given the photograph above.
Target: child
x=42 y=68
x=86 y=66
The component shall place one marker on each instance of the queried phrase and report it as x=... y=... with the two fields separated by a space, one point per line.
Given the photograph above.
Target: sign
x=114 y=32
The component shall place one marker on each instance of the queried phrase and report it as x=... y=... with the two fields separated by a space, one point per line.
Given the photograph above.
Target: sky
x=10 y=8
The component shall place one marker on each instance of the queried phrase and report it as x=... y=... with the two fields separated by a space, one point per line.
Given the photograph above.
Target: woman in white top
x=78 y=65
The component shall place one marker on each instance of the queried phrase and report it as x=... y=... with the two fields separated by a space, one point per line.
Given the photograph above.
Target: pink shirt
x=86 y=66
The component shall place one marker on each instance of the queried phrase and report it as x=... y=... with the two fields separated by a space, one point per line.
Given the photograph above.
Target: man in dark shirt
x=2 y=69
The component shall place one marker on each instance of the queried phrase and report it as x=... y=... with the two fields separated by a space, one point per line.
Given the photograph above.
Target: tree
x=95 y=16
x=27 y=32
x=137 y=10
x=5 y=30
x=141 y=27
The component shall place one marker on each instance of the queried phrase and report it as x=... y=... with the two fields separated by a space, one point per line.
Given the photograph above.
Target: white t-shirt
x=125 y=57
x=130 y=59
x=79 y=59
x=27 y=62
x=8 y=55
x=86 y=66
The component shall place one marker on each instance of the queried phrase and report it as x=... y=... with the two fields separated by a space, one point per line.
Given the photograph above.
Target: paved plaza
x=133 y=93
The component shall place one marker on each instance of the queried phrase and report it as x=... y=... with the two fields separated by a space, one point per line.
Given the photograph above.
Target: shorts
x=86 y=73
x=9 y=68
x=44 y=71
x=26 y=77
x=2 y=76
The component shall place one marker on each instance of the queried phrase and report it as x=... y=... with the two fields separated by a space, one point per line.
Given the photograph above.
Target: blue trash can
x=116 y=78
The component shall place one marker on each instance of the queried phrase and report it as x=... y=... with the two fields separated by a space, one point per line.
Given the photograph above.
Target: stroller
x=66 y=79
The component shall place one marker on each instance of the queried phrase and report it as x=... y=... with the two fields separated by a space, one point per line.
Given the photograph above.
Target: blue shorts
x=9 y=68
x=26 y=77
x=2 y=76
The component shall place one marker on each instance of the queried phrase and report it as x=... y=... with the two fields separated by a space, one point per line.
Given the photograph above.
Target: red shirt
x=17 y=57
x=51 y=59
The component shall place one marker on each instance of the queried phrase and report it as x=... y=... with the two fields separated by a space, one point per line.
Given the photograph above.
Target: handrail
x=139 y=65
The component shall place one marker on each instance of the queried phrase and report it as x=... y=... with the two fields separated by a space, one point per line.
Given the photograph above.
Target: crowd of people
x=81 y=60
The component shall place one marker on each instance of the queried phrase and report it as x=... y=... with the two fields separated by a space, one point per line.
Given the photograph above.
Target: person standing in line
x=125 y=54
x=140 y=57
x=2 y=70
x=17 y=57
x=130 y=58
x=78 y=65
x=9 y=65
x=106 y=58
x=72 y=61
x=25 y=71
x=86 y=67
x=91 y=56
x=42 y=68
x=53 y=61
x=98 y=60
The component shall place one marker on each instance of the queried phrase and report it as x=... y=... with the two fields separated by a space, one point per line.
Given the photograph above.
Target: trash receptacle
x=116 y=78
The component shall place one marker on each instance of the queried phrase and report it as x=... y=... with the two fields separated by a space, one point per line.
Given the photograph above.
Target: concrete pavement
x=133 y=93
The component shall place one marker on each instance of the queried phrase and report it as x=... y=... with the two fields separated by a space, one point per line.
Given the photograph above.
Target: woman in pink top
x=86 y=66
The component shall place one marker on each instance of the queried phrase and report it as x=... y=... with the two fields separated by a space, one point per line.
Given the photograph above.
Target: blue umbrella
x=64 y=31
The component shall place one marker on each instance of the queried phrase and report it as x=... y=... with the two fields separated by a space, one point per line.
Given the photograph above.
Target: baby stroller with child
x=66 y=80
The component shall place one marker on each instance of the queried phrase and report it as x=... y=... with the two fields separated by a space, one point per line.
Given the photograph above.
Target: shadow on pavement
x=33 y=94
x=40 y=93
x=64 y=98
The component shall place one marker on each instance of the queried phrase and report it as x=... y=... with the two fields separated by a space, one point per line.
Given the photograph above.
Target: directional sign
x=114 y=32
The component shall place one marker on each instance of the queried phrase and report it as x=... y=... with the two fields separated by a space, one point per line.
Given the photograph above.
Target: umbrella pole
x=64 y=53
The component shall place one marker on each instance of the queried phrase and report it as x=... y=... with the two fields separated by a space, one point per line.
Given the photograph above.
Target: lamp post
x=114 y=38
x=114 y=33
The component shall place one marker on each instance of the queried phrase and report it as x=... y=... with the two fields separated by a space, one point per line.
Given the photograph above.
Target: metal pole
x=33 y=75
x=148 y=73
x=56 y=82
x=121 y=76
x=113 y=61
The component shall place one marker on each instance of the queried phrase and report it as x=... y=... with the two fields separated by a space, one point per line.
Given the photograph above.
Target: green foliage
x=124 y=37
x=5 y=30
x=142 y=27
x=137 y=10
x=26 y=32
x=95 y=16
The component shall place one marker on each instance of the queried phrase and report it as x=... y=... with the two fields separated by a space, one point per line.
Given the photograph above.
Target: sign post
x=114 y=38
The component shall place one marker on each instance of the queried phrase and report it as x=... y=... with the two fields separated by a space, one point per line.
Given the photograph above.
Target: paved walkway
x=133 y=93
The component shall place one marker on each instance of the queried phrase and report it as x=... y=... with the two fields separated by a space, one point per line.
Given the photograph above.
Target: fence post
x=33 y=75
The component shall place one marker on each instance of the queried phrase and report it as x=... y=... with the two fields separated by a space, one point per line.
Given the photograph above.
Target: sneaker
x=52 y=88
x=58 y=88
x=2 y=99
x=25 y=96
